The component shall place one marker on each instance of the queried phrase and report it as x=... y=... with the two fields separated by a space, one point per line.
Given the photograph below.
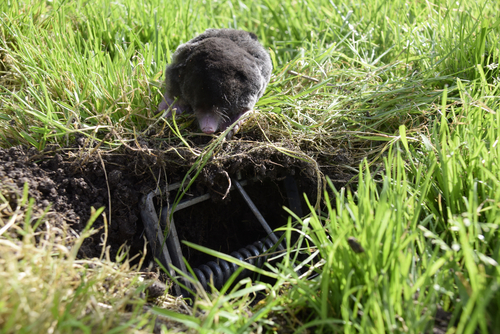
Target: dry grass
x=46 y=288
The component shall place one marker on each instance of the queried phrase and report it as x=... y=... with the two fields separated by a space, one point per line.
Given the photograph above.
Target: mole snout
x=218 y=75
x=208 y=121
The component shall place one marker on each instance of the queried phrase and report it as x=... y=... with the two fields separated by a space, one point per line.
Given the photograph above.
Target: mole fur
x=219 y=75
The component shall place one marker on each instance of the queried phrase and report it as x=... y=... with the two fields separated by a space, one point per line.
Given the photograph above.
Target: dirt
x=71 y=181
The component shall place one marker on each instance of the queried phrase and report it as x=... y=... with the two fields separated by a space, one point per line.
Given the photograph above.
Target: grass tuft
x=45 y=288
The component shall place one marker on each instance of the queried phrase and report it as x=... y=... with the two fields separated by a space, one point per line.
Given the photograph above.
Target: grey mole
x=218 y=76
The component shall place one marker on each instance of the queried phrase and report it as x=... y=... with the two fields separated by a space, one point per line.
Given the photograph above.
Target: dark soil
x=72 y=181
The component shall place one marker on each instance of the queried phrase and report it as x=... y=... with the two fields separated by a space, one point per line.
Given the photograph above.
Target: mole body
x=218 y=76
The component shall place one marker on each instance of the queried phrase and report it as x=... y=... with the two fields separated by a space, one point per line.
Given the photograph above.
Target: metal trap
x=168 y=251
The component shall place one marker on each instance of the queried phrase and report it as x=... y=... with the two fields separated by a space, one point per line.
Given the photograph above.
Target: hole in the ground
x=228 y=225
x=71 y=187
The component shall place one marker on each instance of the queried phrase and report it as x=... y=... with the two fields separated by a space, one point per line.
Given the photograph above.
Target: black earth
x=72 y=181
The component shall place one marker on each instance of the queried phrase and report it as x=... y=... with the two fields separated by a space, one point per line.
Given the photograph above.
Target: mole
x=219 y=76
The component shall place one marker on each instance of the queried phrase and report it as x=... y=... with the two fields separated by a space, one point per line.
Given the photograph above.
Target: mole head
x=220 y=80
x=219 y=115
x=207 y=100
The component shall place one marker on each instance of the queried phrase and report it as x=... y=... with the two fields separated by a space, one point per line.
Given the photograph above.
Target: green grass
x=409 y=88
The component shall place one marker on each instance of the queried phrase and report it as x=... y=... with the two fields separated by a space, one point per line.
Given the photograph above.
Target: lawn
x=406 y=93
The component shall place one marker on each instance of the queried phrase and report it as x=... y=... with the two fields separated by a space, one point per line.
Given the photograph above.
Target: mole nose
x=209 y=121
x=208 y=130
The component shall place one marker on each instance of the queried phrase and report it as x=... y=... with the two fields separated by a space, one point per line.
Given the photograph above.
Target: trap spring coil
x=221 y=270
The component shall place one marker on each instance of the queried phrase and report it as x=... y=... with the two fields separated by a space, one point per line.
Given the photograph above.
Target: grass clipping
x=44 y=288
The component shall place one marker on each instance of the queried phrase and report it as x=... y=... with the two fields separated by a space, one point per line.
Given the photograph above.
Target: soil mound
x=71 y=181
